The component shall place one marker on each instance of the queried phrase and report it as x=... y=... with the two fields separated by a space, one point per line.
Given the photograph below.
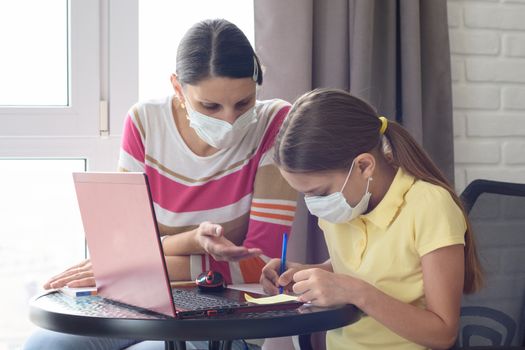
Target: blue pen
x=283 y=258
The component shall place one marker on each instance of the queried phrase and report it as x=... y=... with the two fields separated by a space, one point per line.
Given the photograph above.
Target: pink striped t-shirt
x=239 y=188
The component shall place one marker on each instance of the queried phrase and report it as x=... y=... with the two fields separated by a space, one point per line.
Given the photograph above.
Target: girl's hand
x=210 y=237
x=80 y=275
x=270 y=279
x=324 y=288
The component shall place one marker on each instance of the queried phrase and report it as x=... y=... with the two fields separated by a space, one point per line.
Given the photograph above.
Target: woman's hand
x=270 y=279
x=325 y=288
x=210 y=237
x=80 y=275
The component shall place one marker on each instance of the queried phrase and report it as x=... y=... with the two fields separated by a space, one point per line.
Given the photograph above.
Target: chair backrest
x=495 y=316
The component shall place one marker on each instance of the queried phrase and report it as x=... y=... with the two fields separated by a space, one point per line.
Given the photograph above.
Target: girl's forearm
x=422 y=326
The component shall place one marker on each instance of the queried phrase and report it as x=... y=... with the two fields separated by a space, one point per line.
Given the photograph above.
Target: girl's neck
x=383 y=177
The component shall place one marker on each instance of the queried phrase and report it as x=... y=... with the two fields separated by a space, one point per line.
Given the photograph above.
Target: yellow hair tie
x=384 y=124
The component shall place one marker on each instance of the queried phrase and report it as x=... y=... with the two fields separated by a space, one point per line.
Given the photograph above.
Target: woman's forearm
x=184 y=243
x=178 y=268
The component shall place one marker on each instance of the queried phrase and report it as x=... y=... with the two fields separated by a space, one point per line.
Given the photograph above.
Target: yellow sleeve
x=439 y=222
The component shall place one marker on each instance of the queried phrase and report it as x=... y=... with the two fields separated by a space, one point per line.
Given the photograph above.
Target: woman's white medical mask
x=334 y=207
x=219 y=133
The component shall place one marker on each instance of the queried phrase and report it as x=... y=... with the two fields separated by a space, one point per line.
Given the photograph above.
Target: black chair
x=495 y=316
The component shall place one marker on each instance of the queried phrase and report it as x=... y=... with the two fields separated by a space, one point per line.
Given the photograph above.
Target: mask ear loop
x=368 y=184
x=187 y=108
x=348 y=176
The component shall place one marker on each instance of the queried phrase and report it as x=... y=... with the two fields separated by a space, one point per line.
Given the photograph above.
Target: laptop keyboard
x=94 y=306
x=189 y=300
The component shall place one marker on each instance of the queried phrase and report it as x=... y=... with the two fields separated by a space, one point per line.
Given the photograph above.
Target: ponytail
x=407 y=154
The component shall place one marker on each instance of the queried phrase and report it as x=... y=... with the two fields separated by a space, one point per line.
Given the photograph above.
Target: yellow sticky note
x=274 y=299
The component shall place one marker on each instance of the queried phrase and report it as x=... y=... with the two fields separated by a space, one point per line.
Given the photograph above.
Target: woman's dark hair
x=216 y=48
x=327 y=128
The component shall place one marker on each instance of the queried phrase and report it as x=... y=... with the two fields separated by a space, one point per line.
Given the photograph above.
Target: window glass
x=162 y=23
x=40 y=235
x=34 y=59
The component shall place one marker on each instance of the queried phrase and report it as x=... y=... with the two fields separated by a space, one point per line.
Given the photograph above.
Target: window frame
x=103 y=43
x=83 y=84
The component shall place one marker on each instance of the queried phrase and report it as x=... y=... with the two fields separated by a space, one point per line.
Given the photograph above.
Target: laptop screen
x=123 y=241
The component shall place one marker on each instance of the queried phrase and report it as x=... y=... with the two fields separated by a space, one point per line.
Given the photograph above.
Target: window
x=41 y=233
x=34 y=62
x=49 y=117
x=53 y=127
x=162 y=23
x=49 y=68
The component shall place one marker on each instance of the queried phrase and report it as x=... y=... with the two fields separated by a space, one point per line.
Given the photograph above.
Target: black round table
x=96 y=316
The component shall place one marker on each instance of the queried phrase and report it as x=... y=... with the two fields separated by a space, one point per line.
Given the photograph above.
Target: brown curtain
x=393 y=53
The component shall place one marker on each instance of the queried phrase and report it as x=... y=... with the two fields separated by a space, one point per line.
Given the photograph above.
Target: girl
x=220 y=202
x=399 y=241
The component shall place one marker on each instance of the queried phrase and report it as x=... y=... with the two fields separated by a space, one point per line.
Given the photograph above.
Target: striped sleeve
x=132 y=152
x=272 y=213
x=272 y=209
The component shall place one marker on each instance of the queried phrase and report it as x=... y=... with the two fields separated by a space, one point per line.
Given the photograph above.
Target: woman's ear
x=366 y=163
x=177 y=87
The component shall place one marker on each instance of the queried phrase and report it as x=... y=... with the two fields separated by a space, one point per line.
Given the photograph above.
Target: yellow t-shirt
x=384 y=248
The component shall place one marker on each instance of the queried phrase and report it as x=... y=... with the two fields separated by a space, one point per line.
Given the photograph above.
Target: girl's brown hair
x=327 y=128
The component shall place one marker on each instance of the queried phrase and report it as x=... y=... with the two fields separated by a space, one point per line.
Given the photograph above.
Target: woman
x=399 y=241
x=220 y=202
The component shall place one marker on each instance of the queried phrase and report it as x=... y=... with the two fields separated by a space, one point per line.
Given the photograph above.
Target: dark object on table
x=210 y=281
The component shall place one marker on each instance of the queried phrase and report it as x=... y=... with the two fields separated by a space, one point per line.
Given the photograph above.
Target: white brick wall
x=487 y=43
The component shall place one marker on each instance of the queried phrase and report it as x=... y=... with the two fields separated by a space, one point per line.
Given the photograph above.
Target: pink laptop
x=126 y=252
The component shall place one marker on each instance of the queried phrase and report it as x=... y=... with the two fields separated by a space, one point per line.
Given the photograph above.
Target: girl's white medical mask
x=334 y=207
x=219 y=133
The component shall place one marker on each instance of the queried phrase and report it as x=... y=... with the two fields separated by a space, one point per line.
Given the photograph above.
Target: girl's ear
x=366 y=163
